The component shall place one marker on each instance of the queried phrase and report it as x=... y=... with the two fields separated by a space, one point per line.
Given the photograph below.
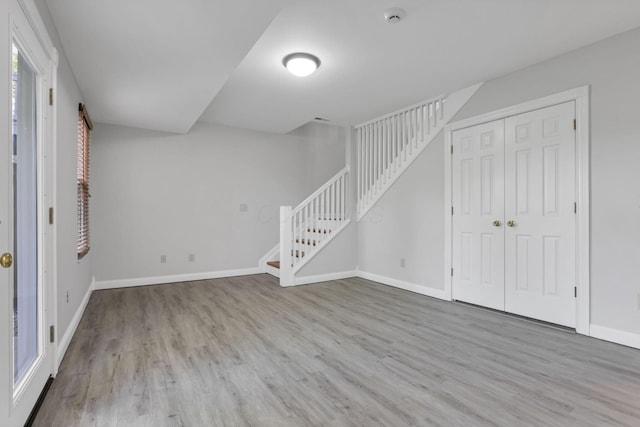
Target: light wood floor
x=243 y=351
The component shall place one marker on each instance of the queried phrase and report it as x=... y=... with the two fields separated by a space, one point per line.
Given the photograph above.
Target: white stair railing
x=387 y=146
x=305 y=230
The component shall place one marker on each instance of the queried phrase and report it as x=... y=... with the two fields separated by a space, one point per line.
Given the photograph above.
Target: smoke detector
x=394 y=15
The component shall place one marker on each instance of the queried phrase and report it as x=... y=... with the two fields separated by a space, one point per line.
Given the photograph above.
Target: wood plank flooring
x=245 y=352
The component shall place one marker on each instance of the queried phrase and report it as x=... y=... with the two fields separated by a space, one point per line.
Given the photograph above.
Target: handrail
x=442 y=97
x=316 y=193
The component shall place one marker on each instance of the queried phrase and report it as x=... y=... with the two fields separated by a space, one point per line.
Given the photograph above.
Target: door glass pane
x=25 y=285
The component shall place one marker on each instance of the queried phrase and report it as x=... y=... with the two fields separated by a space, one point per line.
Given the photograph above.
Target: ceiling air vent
x=320 y=119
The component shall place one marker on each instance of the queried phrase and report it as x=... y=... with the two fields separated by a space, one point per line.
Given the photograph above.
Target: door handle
x=6 y=260
x=511 y=223
x=497 y=223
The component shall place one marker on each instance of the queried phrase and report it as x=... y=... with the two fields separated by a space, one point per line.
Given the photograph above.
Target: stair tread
x=274 y=264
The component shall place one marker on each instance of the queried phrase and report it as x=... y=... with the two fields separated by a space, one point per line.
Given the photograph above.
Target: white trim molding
x=407 y=286
x=615 y=335
x=63 y=344
x=174 y=278
x=37 y=25
x=580 y=96
x=305 y=280
x=26 y=29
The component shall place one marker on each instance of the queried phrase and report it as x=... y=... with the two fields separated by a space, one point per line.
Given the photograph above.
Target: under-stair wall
x=338 y=260
x=399 y=239
x=401 y=216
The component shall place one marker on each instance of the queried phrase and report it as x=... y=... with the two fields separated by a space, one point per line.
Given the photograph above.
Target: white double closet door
x=514 y=189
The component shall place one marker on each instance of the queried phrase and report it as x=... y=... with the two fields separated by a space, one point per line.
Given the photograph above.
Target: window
x=84 y=135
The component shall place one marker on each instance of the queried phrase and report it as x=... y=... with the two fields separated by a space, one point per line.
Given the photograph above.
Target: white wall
x=339 y=256
x=159 y=194
x=408 y=218
x=73 y=276
x=407 y=223
x=325 y=151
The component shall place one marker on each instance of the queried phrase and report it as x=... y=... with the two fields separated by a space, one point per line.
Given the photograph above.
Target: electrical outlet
x=67 y=297
x=192 y=257
x=163 y=259
x=402 y=262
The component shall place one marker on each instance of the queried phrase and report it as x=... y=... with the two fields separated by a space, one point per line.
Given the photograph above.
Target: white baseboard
x=615 y=335
x=63 y=343
x=305 y=280
x=407 y=286
x=158 y=280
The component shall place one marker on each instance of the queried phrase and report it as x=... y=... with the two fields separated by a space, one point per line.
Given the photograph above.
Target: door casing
x=26 y=29
x=581 y=97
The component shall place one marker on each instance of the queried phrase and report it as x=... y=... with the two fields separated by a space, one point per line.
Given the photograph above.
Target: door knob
x=497 y=223
x=6 y=260
x=511 y=223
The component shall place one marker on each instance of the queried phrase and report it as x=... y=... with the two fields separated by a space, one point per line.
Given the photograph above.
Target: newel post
x=286 y=247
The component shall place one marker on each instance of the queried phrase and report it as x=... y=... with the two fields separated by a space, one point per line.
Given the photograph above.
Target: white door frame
x=27 y=29
x=47 y=159
x=581 y=97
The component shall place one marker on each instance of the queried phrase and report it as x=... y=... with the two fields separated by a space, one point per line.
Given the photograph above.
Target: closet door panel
x=478 y=200
x=539 y=214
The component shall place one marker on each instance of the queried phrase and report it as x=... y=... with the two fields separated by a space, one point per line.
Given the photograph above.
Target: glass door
x=26 y=355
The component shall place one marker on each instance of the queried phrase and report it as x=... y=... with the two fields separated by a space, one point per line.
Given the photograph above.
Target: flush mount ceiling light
x=301 y=64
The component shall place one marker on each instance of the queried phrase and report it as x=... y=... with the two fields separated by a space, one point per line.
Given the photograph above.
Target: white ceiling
x=158 y=64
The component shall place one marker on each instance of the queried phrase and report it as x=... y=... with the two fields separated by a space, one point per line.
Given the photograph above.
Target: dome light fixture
x=301 y=64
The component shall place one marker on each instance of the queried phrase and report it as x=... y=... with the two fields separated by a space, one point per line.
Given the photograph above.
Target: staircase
x=309 y=227
x=385 y=148
x=388 y=145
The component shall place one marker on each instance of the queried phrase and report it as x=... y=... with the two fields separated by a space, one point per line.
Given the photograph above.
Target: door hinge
x=575 y=208
x=451 y=271
x=575 y=124
x=50 y=96
x=50 y=216
x=52 y=333
x=451 y=210
x=451 y=149
x=575 y=292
